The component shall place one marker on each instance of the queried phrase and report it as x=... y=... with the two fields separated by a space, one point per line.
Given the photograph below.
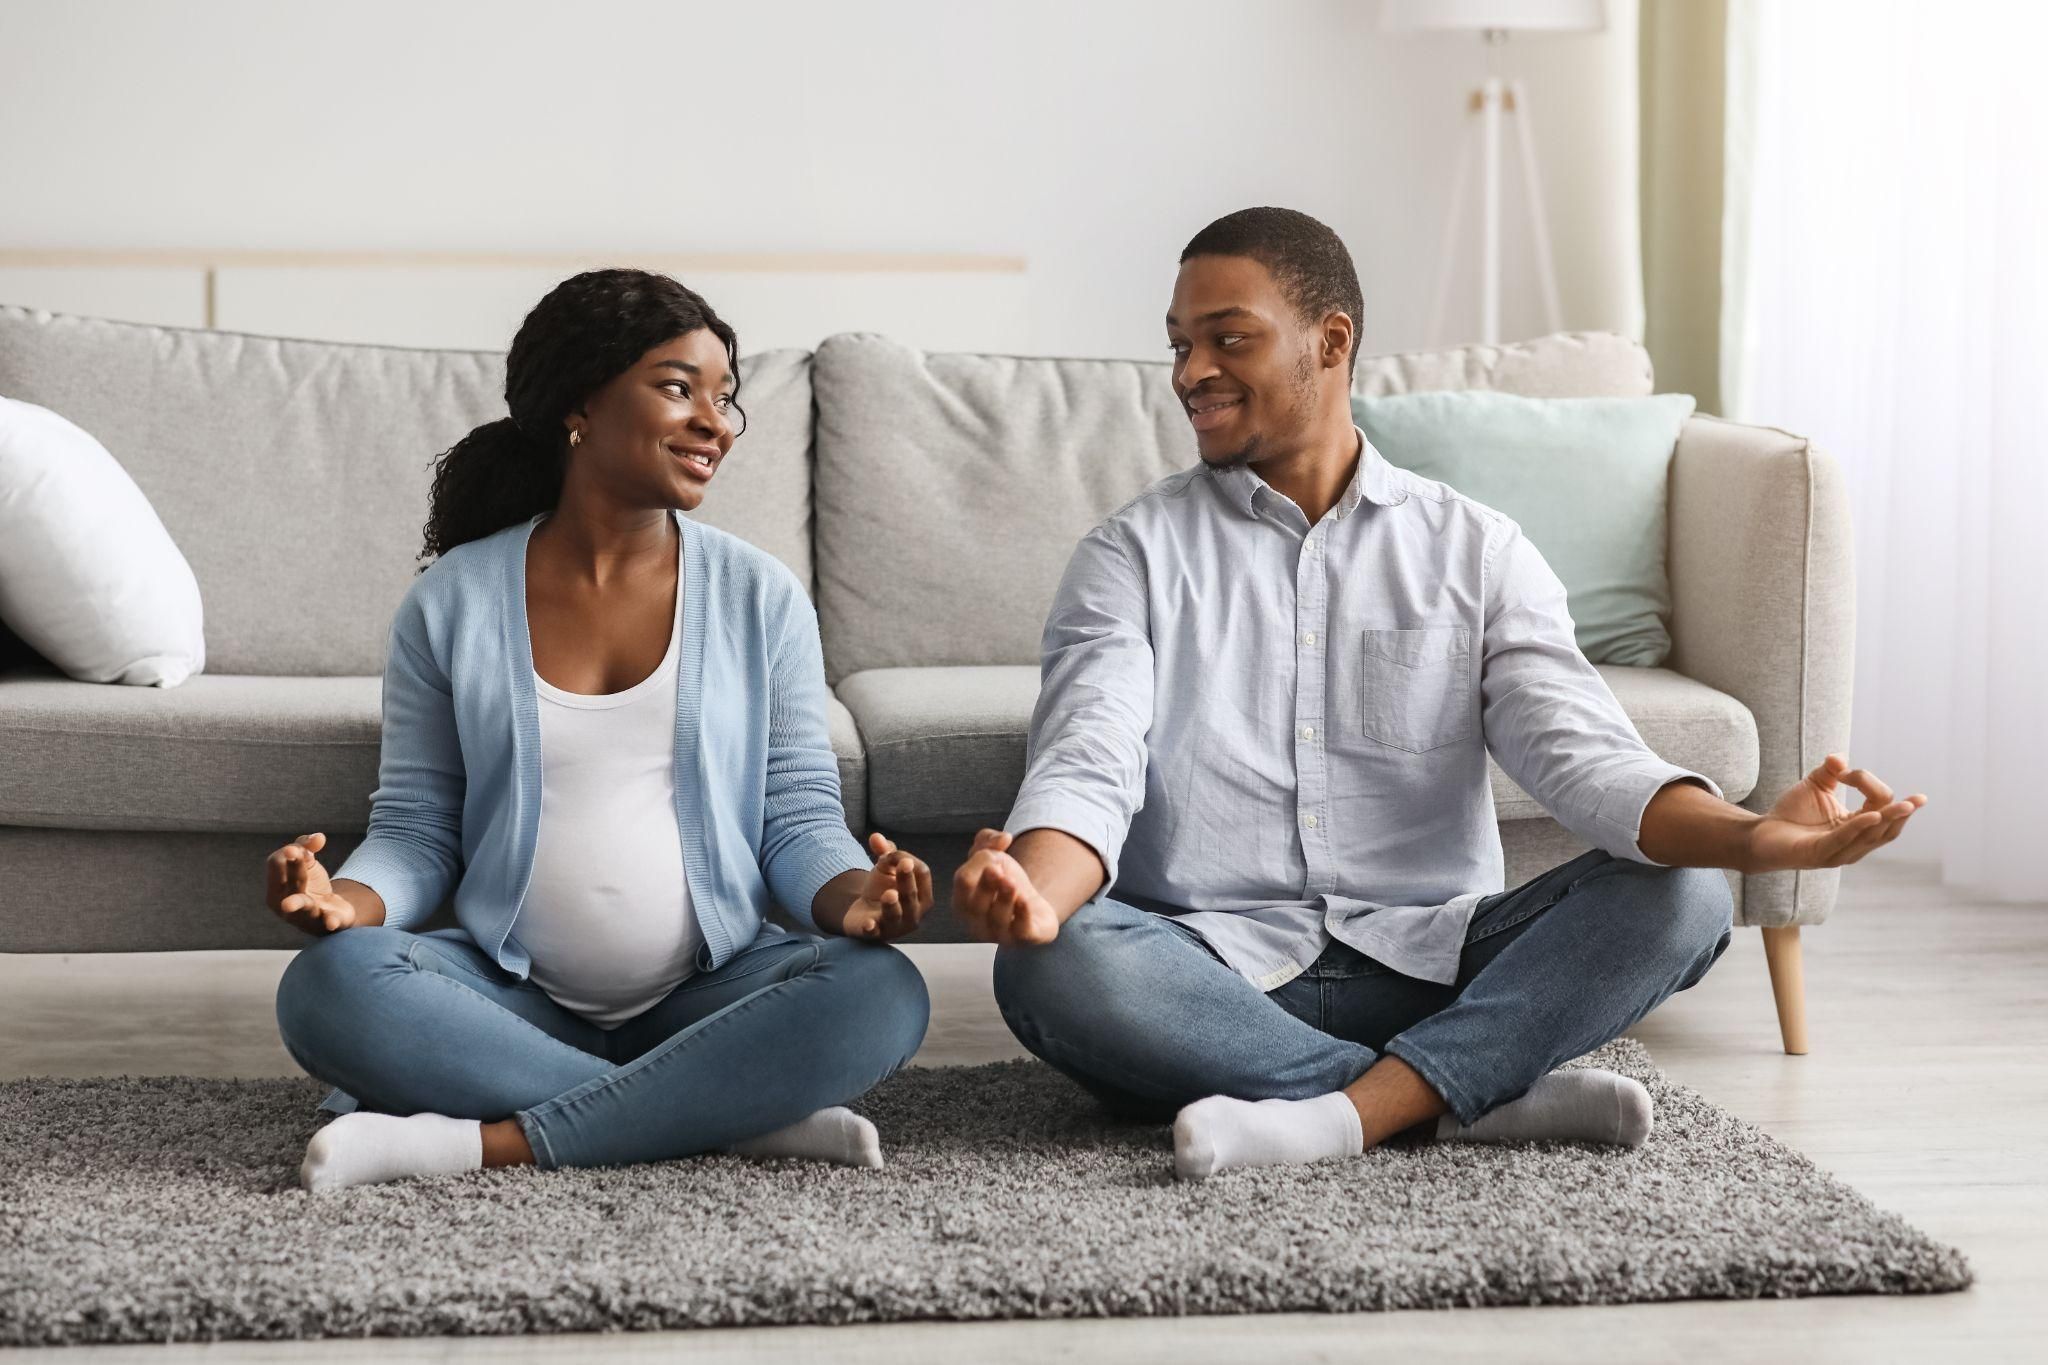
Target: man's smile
x=1212 y=410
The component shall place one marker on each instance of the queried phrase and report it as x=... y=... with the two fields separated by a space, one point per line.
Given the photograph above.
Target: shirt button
x=1308 y=732
x=1309 y=821
x=1308 y=637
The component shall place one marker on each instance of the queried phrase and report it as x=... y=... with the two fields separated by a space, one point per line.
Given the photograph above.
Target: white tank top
x=607 y=917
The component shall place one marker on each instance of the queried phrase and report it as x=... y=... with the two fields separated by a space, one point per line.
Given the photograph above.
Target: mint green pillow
x=1586 y=479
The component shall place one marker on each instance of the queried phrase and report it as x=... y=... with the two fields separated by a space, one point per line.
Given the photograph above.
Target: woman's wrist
x=835 y=898
x=368 y=904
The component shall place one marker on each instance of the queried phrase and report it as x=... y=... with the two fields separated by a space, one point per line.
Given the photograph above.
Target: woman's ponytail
x=497 y=476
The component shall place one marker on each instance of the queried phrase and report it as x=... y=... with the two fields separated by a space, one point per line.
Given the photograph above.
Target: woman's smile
x=698 y=461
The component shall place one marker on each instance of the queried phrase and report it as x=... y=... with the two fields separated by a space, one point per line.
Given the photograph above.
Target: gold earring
x=575 y=437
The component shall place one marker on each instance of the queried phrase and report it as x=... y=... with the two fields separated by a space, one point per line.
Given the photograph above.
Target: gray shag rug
x=168 y=1209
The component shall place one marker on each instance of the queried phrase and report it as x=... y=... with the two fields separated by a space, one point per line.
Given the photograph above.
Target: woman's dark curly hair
x=590 y=329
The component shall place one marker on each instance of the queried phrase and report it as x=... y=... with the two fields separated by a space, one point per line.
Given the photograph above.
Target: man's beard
x=1251 y=450
x=1254 y=448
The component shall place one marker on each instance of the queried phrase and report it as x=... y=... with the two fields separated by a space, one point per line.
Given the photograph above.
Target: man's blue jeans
x=1136 y=1008
x=411 y=1023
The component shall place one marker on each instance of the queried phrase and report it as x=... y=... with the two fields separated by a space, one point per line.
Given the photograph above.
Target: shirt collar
x=1374 y=481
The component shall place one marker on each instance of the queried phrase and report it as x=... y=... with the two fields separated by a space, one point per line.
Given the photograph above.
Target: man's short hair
x=1308 y=261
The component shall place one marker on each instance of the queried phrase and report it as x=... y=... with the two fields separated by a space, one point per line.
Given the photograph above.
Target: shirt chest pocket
x=1414 y=691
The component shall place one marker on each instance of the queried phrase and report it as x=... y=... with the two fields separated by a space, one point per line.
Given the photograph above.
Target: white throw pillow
x=89 y=577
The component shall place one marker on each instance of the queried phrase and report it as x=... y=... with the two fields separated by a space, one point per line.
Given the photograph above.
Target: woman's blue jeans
x=411 y=1023
x=1135 y=1007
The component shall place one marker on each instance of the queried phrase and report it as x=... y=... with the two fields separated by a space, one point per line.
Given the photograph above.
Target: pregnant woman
x=604 y=729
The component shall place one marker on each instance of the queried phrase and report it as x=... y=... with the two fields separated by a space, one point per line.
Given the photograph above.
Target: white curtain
x=1884 y=294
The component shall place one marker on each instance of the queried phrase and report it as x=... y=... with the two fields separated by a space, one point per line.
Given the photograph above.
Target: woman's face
x=656 y=435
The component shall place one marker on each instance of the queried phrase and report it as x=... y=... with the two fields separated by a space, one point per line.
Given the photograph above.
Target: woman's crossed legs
x=428 y=1025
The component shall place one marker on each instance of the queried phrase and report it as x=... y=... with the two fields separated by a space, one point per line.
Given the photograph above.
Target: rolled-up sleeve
x=1085 y=765
x=1551 y=721
x=412 y=855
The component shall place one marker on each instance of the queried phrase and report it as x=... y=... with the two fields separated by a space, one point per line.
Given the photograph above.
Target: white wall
x=1091 y=139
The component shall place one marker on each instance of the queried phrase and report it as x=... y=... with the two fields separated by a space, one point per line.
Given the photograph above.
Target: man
x=1270 y=686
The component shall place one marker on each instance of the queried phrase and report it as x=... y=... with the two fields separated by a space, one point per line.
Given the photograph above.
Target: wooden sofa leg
x=1788 y=985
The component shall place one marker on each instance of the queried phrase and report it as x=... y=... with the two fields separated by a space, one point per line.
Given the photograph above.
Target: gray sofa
x=294 y=476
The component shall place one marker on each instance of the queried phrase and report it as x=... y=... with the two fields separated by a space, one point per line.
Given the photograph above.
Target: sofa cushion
x=224 y=432
x=1563 y=365
x=946 y=745
x=224 y=752
x=1002 y=463
x=1587 y=479
x=87 y=572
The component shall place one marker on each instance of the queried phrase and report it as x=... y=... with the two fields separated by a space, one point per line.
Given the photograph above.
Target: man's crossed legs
x=1136 y=1008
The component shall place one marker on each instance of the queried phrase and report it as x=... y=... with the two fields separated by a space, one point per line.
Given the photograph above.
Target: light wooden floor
x=1927 y=1089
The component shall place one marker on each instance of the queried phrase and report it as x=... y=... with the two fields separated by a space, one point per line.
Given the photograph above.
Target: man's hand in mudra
x=995 y=898
x=1809 y=827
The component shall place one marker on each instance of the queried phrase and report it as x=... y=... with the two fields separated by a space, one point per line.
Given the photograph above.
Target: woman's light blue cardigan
x=459 y=778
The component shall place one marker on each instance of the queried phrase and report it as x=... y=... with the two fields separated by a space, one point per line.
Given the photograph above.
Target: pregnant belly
x=609 y=933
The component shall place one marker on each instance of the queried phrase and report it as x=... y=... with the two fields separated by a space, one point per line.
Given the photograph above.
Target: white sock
x=836 y=1134
x=1219 y=1133
x=362 y=1149
x=1585 y=1104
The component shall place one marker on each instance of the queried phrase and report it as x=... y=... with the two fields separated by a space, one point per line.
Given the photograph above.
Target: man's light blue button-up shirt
x=1278 y=732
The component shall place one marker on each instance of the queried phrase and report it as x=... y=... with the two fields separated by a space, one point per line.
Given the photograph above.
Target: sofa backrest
x=951 y=488
x=294 y=474
x=948 y=489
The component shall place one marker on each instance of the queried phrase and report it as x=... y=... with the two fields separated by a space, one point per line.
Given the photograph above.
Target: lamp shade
x=1545 y=16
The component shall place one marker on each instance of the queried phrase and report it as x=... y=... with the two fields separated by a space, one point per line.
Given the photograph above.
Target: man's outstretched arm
x=1808 y=827
x=1557 y=730
x=1022 y=888
x=1685 y=825
x=1554 y=725
x=1085 y=773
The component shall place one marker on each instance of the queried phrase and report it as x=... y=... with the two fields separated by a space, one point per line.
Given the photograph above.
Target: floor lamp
x=1494 y=20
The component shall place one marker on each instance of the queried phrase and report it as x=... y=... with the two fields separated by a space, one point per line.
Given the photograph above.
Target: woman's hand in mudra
x=297 y=888
x=893 y=897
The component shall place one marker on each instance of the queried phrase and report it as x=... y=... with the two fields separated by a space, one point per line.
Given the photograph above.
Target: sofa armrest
x=1763 y=601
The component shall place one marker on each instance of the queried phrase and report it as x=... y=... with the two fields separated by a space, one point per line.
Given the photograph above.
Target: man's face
x=1244 y=363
